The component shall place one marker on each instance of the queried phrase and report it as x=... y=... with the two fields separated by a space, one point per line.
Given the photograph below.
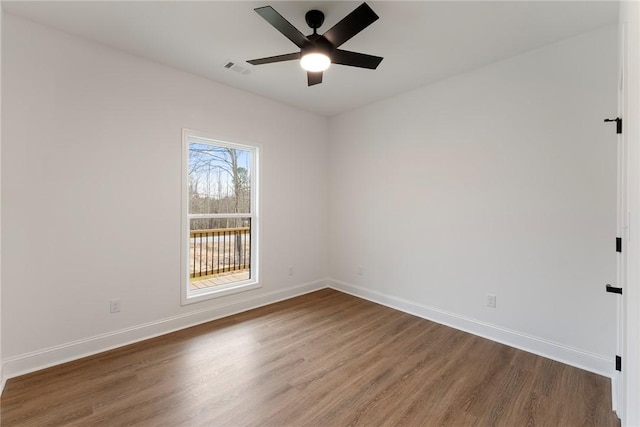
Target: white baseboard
x=29 y=362
x=596 y=363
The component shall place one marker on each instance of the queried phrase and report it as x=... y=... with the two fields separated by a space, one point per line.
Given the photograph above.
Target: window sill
x=200 y=295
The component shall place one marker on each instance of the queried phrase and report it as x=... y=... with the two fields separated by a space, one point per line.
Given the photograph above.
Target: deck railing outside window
x=219 y=250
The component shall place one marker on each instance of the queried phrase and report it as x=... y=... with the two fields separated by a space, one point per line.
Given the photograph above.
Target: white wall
x=499 y=181
x=91 y=194
x=630 y=414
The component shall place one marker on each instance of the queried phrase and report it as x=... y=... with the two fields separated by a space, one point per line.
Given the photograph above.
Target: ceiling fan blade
x=314 y=78
x=282 y=25
x=352 y=24
x=278 y=58
x=355 y=59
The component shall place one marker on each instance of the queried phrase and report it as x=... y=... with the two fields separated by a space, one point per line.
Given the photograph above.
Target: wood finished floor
x=323 y=359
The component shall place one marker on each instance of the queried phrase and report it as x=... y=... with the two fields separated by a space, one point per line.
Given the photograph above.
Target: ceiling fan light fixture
x=315 y=62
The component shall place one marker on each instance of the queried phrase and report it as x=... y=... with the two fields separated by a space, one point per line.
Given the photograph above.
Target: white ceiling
x=421 y=41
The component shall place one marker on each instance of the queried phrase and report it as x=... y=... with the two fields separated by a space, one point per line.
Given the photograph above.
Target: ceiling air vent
x=233 y=66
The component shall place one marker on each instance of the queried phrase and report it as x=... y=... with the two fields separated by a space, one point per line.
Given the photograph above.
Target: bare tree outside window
x=219 y=180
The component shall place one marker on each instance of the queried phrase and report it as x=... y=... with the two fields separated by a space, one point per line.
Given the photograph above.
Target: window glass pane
x=219 y=179
x=219 y=251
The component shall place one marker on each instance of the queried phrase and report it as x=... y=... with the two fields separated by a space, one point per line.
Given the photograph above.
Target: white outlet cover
x=491 y=301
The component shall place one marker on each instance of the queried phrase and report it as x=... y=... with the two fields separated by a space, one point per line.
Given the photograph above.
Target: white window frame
x=187 y=296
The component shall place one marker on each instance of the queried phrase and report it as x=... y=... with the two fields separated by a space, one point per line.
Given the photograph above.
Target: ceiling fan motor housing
x=318 y=44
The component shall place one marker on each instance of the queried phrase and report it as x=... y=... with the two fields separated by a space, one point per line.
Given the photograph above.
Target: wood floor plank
x=321 y=359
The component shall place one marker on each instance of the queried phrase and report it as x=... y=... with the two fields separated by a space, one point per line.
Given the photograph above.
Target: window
x=220 y=222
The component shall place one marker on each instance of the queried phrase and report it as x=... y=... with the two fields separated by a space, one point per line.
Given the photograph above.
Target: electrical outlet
x=360 y=271
x=291 y=270
x=114 y=305
x=491 y=301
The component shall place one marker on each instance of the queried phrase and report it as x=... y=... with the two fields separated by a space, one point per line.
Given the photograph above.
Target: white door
x=622 y=225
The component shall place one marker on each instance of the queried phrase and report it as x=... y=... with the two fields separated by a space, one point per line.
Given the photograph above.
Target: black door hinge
x=613 y=289
x=618 y=244
x=618 y=121
x=618 y=363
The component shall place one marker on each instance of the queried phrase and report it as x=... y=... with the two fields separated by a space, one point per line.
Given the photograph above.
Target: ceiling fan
x=317 y=51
